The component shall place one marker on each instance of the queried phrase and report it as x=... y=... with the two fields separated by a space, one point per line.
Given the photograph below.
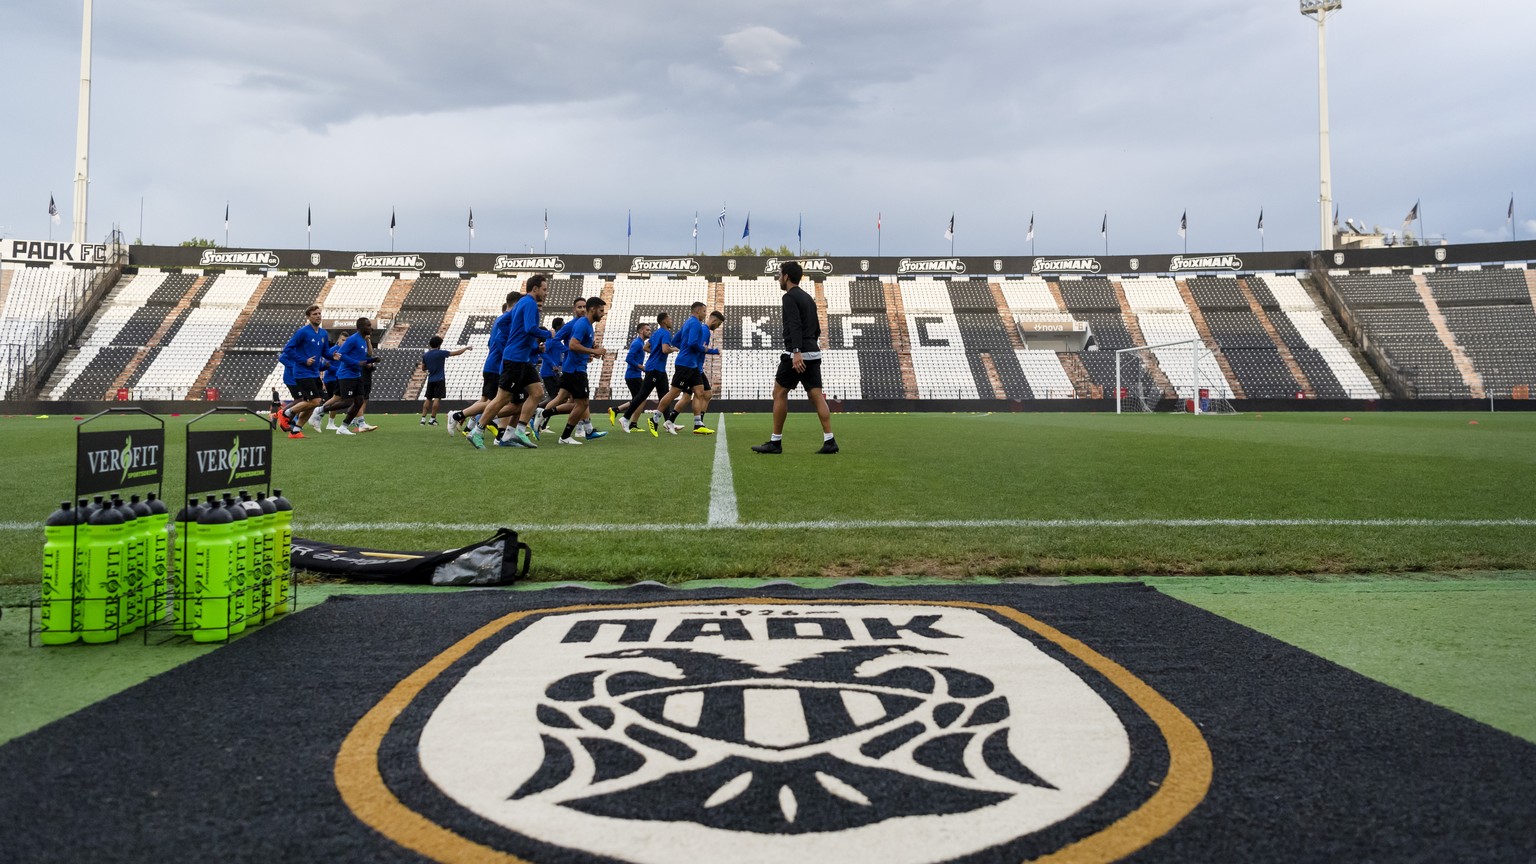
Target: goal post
x=1137 y=389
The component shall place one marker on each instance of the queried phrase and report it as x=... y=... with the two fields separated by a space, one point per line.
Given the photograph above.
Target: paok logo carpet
x=759 y=730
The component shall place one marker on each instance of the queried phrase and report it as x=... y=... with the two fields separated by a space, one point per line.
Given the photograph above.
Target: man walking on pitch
x=302 y=354
x=581 y=347
x=433 y=360
x=800 y=364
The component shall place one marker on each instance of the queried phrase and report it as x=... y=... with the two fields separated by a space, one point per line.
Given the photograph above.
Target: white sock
x=698 y=419
x=775 y=437
x=826 y=436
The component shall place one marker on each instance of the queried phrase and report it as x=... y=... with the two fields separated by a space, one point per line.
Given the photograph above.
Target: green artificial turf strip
x=921 y=467
x=1463 y=642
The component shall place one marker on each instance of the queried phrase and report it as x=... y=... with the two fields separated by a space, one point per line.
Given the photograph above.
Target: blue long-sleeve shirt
x=306 y=343
x=581 y=333
x=524 y=332
x=635 y=360
x=693 y=344
x=554 y=357
x=657 y=361
x=354 y=353
x=498 y=342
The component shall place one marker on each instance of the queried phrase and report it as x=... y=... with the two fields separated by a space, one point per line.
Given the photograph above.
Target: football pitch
x=950 y=495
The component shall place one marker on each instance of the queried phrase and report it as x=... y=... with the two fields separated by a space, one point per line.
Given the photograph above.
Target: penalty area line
x=722 y=490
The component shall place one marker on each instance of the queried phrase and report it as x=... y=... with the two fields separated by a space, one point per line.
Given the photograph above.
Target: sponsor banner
x=664 y=265
x=1042 y=266
x=1180 y=263
x=811 y=266
x=54 y=252
x=529 y=263
x=919 y=266
x=229 y=459
x=223 y=258
x=364 y=261
x=119 y=459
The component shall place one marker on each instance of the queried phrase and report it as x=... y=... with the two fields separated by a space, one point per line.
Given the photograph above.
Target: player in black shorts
x=800 y=364
x=658 y=346
x=634 y=374
x=699 y=407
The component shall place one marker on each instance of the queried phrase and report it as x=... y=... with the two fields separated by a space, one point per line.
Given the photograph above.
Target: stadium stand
x=36 y=302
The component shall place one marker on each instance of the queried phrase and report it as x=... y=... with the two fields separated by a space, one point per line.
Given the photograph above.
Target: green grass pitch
x=945 y=480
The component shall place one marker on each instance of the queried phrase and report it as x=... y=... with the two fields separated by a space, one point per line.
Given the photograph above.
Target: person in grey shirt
x=800 y=364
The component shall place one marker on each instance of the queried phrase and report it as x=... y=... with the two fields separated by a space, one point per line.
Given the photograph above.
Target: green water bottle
x=162 y=537
x=130 y=594
x=144 y=520
x=101 y=597
x=183 y=586
x=240 y=565
x=283 y=553
x=59 y=564
x=269 y=549
x=257 y=610
x=212 y=555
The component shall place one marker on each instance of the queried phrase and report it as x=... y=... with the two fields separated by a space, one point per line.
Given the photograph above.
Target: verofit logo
x=770 y=732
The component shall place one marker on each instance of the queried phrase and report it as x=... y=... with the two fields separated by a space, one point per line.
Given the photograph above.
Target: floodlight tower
x=1321 y=9
x=83 y=133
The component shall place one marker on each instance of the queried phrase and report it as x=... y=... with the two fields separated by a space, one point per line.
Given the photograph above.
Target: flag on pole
x=1508 y=217
x=695 y=224
x=1029 y=236
x=800 y=228
x=629 y=224
x=1335 y=218
x=546 y=224
x=226 y=215
x=746 y=230
x=721 y=219
x=1261 y=220
x=53 y=209
x=309 y=219
x=1104 y=226
x=949 y=232
x=471 y=221
x=1412 y=215
x=391 y=221
x=878 y=219
x=1183 y=224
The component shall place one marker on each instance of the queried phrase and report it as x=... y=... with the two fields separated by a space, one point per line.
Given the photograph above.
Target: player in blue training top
x=655 y=371
x=328 y=381
x=685 y=403
x=433 y=360
x=692 y=345
x=582 y=347
x=519 y=382
x=489 y=372
x=634 y=376
x=302 y=354
x=556 y=401
x=353 y=355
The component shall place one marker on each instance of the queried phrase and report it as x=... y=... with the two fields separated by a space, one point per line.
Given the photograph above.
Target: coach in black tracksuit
x=800 y=364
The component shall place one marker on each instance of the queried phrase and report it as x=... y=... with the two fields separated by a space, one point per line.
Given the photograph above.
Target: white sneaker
x=422 y=422
x=343 y=430
x=671 y=428
x=538 y=418
x=366 y=427
x=314 y=421
x=569 y=441
x=579 y=433
x=624 y=424
x=453 y=425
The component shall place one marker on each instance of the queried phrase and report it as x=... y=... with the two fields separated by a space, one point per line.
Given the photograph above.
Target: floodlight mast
x=1321 y=9
x=83 y=133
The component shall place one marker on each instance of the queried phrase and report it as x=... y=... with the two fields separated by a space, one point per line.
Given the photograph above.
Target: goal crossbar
x=1194 y=367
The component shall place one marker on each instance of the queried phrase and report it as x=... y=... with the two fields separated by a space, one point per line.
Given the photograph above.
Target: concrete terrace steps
x=1133 y=326
x=1204 y=330
x=901 y=341
x=1274 y=336
x=1337 y=329
x=131 y=368
x=1469 y=373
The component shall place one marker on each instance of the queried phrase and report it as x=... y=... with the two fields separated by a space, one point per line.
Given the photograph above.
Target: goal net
x=1175 y=377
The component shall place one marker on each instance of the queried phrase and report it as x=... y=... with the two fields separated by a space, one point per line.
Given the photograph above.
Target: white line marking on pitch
x=873 y=524
x=722 y=491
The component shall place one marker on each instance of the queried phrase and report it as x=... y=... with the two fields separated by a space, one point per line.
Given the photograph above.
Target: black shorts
x=789 y=379
x=489 y=387
x=305 y=389
x=551 y=386
x=516 y=378
x=635 y=385
x=685 y=379
x=436 y=390
x=293 y=392
x=331 y=389
x=655 y=381
x=575 y=383
x=367 y=384
x=706 y=380
x=349 y=388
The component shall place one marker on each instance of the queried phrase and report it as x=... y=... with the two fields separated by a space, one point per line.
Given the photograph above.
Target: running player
x=303 y=353
x=686 y=404
x=655 y=371
x=556 y=400
x=634 y=374
x=519 y=382
x=433 y=360
x=800 y=364
x=582 y=347
x=333 y=400
x=353 y=355
x=489 y=373
x=692 y=345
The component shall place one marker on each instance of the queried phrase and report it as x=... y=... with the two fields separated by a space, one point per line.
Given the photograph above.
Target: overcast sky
x=988 y=109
